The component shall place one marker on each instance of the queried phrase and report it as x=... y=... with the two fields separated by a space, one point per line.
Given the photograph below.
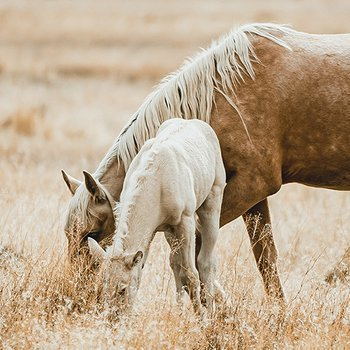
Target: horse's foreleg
x=258 y=223
x=239 y=199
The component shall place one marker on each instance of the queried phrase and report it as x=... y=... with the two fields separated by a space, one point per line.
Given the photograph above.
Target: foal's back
x=191 y=151
x=185 y=158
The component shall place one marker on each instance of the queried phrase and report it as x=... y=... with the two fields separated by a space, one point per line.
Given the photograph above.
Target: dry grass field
x=71 y=74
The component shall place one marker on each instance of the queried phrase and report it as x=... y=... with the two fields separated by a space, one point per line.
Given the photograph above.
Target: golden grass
x=25 y=121
x=71 y=75
x=341 y=271
x=45 y=305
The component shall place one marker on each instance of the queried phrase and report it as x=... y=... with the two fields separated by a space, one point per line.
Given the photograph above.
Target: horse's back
x=297 y=111
x=316 y=143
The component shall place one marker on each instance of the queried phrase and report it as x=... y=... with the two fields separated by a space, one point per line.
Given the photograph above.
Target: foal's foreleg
x=175 y=263
x=258 y=222
x=185 y=233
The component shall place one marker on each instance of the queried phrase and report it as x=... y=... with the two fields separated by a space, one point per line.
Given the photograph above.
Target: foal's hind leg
x=209 y=217
x=258 y=222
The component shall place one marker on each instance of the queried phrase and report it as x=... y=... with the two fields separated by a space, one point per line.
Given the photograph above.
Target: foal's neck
x=140 y=214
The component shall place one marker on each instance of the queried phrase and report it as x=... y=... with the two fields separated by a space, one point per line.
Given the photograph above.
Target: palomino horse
x=166 y=189
x=279 y=103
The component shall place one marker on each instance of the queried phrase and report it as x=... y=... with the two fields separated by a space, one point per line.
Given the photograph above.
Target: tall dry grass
x=71 y=74
x=44 y=304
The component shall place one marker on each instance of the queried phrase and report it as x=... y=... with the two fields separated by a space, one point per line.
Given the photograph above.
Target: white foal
x=175 y=177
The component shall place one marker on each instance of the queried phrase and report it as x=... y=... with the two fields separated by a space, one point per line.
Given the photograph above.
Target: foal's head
x=90 y=214
x=121 y=273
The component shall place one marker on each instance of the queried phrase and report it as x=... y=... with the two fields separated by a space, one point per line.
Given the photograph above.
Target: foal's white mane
x=117 y=246
x=189 y=92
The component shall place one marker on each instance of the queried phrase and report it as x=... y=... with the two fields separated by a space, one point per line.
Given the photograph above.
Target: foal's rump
x=192 y=154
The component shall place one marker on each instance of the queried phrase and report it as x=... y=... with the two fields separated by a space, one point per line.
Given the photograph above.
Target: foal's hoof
x=203 y=316
x=220 y=295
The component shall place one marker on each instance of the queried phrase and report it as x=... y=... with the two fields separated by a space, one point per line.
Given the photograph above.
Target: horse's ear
x=134 y=259
x=71 y=182
x=96 y=250
x=93 y=187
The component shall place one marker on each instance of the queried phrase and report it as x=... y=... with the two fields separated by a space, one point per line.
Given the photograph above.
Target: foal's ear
x=71 y=182
x=93 y=186
x=135 y=259
x=96 y=250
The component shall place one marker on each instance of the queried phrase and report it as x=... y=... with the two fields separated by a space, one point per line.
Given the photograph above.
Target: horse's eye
x=93 y=234
x=122 y=292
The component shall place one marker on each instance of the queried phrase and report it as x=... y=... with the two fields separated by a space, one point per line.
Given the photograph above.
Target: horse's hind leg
x=258 y=222
x=209 y=217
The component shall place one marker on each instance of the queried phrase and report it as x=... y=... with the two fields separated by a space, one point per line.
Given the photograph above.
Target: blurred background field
x=71 y=74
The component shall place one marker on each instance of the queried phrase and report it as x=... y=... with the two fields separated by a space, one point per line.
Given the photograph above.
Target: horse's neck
x=112 y=178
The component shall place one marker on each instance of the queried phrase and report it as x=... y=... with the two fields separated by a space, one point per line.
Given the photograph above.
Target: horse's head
x=121 y=273
x=90 y=214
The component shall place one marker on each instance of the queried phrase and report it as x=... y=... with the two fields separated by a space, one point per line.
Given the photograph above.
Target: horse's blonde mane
x=189 y=92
